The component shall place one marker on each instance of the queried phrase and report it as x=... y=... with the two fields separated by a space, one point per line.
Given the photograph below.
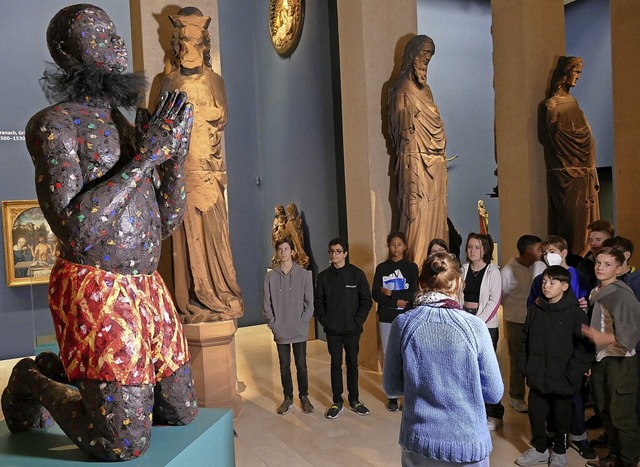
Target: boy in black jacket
x=342 y=303
x=553 y=358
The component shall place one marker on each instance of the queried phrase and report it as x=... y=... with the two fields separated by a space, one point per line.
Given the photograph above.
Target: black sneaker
x=584 y=449
x=610 y=460
x=359 y=408
x=286 y=406
x=333 y=411
x=392 y=405
x=307 y=407
x=594 y=422
x=601 y=441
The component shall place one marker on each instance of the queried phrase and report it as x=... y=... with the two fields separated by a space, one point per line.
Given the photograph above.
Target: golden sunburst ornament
x=286 y=18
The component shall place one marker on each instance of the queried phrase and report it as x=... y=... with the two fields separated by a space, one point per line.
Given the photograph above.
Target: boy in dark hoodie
x=615 y=330
x=288 y=308
x=342 y=303
x=553 y=358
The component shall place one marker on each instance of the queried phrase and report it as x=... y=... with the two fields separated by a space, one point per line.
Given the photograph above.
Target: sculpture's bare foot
x=51 y=366
x=21 y=409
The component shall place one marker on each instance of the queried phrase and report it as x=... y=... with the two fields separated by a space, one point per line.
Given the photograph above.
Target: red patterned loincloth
x=114 y=327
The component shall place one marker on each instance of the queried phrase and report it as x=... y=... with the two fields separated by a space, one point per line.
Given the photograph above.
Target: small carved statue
x=279 y=224
x=293 y=230
x=570 y=157
x=205 y=279
x=110 y=193
x=289 y=224
x=483 y=217
x=418 y=135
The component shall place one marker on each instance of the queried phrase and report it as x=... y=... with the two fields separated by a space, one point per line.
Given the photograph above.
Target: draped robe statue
x=570 y=157
x=418 y=136
x=205 y=278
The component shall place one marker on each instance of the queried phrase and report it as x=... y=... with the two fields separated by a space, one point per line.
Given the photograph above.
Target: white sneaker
x=558 y=460
x=493 y=423
x=532 y=457
x=519 y=404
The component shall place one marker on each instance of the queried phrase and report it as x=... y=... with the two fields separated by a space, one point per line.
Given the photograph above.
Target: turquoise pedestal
x=207 y=441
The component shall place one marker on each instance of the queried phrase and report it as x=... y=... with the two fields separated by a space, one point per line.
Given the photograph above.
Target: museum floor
x=298 y=439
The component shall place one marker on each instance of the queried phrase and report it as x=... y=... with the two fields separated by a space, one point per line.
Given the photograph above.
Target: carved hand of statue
x=164 y=135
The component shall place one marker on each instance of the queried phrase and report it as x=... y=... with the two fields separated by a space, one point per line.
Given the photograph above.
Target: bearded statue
x=419 y=141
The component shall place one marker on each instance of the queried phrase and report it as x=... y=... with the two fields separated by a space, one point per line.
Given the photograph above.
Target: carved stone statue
x=294 y=231
x=278 y=231
x=205 y=278
x=570 y=157
x=289 y=224
x=419 y=140
x=110 y=193
x=279 y=224
x=483 y=218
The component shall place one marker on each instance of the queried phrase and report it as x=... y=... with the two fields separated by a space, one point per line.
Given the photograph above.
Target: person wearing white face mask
x=554 y=253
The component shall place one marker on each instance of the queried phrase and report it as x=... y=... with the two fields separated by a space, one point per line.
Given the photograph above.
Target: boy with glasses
x=342 y=303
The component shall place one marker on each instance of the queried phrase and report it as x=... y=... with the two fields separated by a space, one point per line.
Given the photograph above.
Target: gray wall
x=588 y=35
x=588 y=26
x=281 y=130
x=461 y=79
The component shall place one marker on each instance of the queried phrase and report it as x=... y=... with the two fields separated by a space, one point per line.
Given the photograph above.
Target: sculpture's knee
x=122 y=444
x=175 y=398
x=119 y=419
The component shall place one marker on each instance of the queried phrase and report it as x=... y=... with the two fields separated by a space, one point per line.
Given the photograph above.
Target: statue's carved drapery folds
x=569 y=148
x=419 y=141
x=205 y=278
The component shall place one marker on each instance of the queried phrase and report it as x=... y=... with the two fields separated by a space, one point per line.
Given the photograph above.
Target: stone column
x=372 y=37
x=625 y=43
x=528 y=38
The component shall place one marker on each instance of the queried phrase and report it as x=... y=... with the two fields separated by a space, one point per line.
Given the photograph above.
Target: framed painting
x=30 y=247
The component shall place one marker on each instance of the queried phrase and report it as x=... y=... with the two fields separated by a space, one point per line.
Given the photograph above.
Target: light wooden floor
x=298 y=439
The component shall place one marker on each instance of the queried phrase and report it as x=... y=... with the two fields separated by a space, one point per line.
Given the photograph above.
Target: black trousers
x=495 y=410
x=300 y=357
x=539 y=407
x=351 y=346
x=577 y=429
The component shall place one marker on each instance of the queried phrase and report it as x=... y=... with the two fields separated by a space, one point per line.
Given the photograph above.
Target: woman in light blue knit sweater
x=442 y=360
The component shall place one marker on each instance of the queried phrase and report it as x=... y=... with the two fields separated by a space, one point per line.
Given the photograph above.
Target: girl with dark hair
x=394 y=286
x=481 y=297
x=437 y=245
x=441 y=359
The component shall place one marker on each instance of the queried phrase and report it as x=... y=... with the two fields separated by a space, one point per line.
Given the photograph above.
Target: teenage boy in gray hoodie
x=288 y=308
